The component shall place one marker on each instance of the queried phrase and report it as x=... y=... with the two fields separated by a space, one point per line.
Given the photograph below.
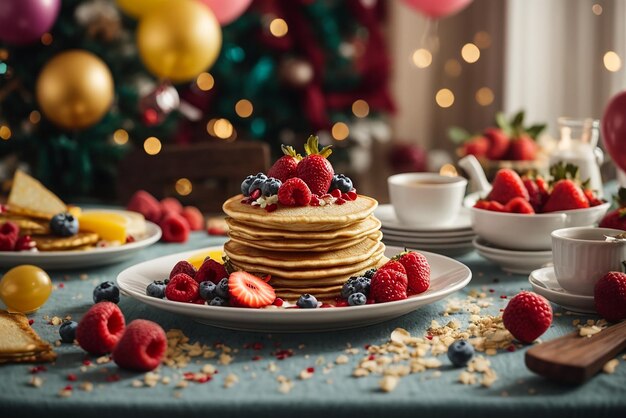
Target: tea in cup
x=582 y=255
x=426 y=198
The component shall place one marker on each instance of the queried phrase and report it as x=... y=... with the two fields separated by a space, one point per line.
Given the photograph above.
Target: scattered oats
x=36 y=382
x=65 y=393
x=400 y=336
x=246 y=368
x=136 y=383
x=57 y=343
x=230 y=380
x=432 y=363
x=208 y=369
x=467 y=378
x=225 y=359
x=320 y=361
x=478 y=364
x=360 y=372
x=305 y=374
x=388 y=383
x=253 y=375
x=327 y=370
x=489 y=377
x=575 y=322
x=83 y=276
x=341 y=359
x=436 y=374
x=166 y=380
x=588 y=331
x=182 y=384
x=306 y=356
x=491 y=351
x=285 y=385
x=352 y=351
x=103 y=360
x=610 y=366
x=56 y=320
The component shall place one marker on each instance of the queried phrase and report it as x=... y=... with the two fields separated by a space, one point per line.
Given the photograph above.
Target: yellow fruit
x=25 y=288
x=197 y=259
x=109 y=226
x=75 y=211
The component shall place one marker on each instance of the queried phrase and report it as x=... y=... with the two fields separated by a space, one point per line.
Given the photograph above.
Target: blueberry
x=218 y=301
x=207 y=290
x=245 y=185
x=357 y=299
x=271 y=186
x=257 y=183
x=460 y=352
x=307 y=301
x=369 y=273
x=341 y=182
x=347 y=289
x=106 y=291
x=355 y=284
x=222 y=289
x=64 y=225
x=67 y=331
x=156 y=289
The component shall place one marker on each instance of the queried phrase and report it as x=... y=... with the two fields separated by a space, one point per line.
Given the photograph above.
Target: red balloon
x=436 y=9
x=614 y=129
x=227 y=10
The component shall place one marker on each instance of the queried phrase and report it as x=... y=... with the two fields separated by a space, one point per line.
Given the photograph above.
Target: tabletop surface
x=292 y=374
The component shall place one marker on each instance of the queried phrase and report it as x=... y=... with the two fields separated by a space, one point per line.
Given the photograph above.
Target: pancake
x=356 y=229
x=28 y=226
x=303 y=245
x=302 y=218
x=297 y=260
x=319 y=293
x=54 y=243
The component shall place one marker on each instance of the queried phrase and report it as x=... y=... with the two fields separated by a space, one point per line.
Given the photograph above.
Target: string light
x=470 y=53
x=183 y=186
x=360 y=108
x=482 y=39
x=222 y=128
x=596 y=9
x=4 y=54
x=422 y=58
x=448 y=170
x=444 y=98
x=152 y=145
x=5 y=132
x=340 y=131
x=205 y=81
x=278 y=27
x=244 y=108
x=209 y=127
x=120 y=137
x=453 y=68
x=484 y=96
x=612 y=61
x=46 y=39
x=34 y=117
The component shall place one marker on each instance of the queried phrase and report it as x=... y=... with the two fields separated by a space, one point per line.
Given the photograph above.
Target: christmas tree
x=285 y=69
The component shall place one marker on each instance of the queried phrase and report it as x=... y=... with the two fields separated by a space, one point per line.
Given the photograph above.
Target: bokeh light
x=34 y=117
x=152 y=145
x=120 y=137
x=482 y=39
x=205 y=81
x=5 y=132
x=340 y=131
x=612 y=61
x=244 y=108
x=484 y=96
x=444 y=98
x=222 y=128
x=360 y=108
x=470 y=53
x=278 y=27
x=422 y=58
x=452 y=68
x=183 y=186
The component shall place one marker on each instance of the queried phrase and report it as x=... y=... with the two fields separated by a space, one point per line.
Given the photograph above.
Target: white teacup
x=582 y=256
x=426 y=198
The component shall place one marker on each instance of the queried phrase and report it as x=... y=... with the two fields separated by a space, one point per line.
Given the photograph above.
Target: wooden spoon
x=574 y=359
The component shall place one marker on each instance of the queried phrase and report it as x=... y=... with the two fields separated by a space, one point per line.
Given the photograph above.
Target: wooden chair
x=215 y=170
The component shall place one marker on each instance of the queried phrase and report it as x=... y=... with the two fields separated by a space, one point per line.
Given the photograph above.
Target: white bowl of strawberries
x=520 y=213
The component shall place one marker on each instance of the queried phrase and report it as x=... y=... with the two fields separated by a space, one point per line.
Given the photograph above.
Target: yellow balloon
x=25 y=288
x=179 y=40
x=75 y=89
x=139 y=8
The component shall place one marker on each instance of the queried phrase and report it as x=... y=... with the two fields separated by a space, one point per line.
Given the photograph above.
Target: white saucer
x=387 y=216
x=513 y=261
x=463 y=233
x=430 y=240
x=452 y=250
x=544 y=282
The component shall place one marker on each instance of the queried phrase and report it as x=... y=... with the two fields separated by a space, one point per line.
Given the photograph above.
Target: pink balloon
x=436 y=9
x=227 y=10
x=614 y=129
x=24 y=21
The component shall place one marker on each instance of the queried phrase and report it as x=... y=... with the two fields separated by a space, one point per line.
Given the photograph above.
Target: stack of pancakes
x=310 y=249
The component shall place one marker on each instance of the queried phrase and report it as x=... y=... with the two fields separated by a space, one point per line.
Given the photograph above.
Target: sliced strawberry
x=247 y=290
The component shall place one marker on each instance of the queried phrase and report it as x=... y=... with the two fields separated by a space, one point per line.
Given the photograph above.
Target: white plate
x=458 y=240
x=518 y=262
x=543 y=281
x=468 y=233
x=447 y=250
x=84 y=258
x=447 y=276
x=387 y=216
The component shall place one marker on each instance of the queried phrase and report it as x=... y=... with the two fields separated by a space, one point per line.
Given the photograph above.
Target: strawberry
x=314 y=169
x=175 y=228
x=100 y=328
x=171 y=204
x=610 y=296
x=393 y=265
x=522 y=148
x=527 y=316
x=417 y=271
x=388 y=285
x=194 y=218
x=144 y=203
x=591 y=197
x=615 y=219
x=498 y=143
x=249 y=291
x=506 y=186
x=141 y=347
x=537 y=192
x=476 y=146
x=491 y=205
x=294 y=192
x=285 y=167
x=519 y=205
x=210 y=271
x=566 y=195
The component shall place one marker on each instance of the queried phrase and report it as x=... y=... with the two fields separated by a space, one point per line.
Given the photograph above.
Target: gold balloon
x=75 y=89
x=179 y=40
x=138 y=8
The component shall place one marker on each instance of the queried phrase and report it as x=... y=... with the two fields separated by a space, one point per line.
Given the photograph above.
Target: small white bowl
x=527 y=232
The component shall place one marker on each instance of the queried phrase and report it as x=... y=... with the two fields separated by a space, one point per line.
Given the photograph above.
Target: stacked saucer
x=452 y=239
x=512 y=261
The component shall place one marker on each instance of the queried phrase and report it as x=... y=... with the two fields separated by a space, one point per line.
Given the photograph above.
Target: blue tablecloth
x=331 y=392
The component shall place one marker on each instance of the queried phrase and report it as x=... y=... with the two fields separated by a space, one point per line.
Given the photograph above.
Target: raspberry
x=171 y=204
x=340 y=201
x=194 y=218
x=211 y=271
x=336 y=193
x=417 y=271
x=175 y=228
x=393 y=265
x=182 y=288
x=9 y=233
x=610 y=296
x=388 y=285
x=315 y=200
x=351 y=195
x=527 y=316
x=183 y=267
x=141 y=347
x=101 y=328
x=144 y=203
x=294 y=192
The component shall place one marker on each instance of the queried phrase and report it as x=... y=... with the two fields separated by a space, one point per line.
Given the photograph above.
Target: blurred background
x=101 y=97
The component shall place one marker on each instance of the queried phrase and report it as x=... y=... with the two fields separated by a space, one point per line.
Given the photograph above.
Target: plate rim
x=445 y=228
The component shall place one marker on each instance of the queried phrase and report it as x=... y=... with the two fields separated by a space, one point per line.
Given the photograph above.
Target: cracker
x=53 y=243
x=19 y=342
